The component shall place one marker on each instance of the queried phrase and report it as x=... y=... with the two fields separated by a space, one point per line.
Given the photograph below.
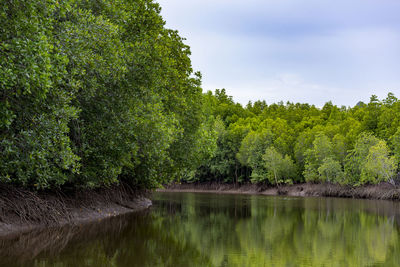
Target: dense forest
x=292 y=143
x=94 y=92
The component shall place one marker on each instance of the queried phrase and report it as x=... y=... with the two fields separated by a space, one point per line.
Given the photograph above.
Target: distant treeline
x=93 y=92
x=290 y=143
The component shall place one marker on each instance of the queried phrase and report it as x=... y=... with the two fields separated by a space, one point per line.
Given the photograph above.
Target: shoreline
x=23 y=211
x=89 y=206
x=383 y=191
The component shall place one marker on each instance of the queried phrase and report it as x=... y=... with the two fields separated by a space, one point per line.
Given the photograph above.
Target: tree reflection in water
x=186 y=229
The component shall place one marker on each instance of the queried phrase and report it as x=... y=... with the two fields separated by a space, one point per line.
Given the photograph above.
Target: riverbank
x=384 y=191
x=22 y=210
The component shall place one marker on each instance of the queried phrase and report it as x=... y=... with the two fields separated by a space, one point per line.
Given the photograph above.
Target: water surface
x=193 y=229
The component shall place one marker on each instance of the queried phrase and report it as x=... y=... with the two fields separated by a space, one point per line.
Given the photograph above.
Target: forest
x=94 y=93
x=294 y=143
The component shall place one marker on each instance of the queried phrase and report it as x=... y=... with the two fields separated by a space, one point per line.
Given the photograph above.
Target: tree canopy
x=293 y=142
x=94 y=92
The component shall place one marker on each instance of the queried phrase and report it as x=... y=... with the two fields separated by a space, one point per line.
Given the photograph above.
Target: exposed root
x=19 y=206
x=384 y=191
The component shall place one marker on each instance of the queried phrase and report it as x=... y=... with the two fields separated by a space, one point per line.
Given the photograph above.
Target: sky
x=308 y=51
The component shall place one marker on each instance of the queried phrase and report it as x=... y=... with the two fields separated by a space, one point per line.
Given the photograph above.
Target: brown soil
x=22 y=210
x=384 y=191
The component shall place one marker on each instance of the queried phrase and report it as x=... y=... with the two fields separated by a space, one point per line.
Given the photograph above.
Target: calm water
x=187 y=229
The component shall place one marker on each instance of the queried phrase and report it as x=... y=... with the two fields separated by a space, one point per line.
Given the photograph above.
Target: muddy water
x=193 y=229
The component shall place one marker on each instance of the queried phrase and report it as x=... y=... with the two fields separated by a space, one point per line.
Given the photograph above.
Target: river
x=198 y=229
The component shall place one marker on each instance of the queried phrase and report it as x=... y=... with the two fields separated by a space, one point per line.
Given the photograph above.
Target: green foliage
x=331 y=144
x=279 y=169
x=92 y=93
x=378 y=166
x=321 y=150
x=251 y=150
x=356 y=157
x=395 y=145
x=330 y=171
x=35 y=99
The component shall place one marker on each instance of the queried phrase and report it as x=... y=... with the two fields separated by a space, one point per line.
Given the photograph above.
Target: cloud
x=311 y=51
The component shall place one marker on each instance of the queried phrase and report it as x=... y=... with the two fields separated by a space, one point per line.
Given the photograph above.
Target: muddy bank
x=384 y=191
x=22 y=210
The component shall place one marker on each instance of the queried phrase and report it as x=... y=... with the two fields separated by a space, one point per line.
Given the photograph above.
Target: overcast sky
x=292 y=50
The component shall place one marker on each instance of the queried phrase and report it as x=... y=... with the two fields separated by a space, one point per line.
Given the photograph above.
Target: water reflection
x=186 y=229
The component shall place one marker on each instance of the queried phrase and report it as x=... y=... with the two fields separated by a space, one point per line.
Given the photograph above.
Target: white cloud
x=302 y=51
